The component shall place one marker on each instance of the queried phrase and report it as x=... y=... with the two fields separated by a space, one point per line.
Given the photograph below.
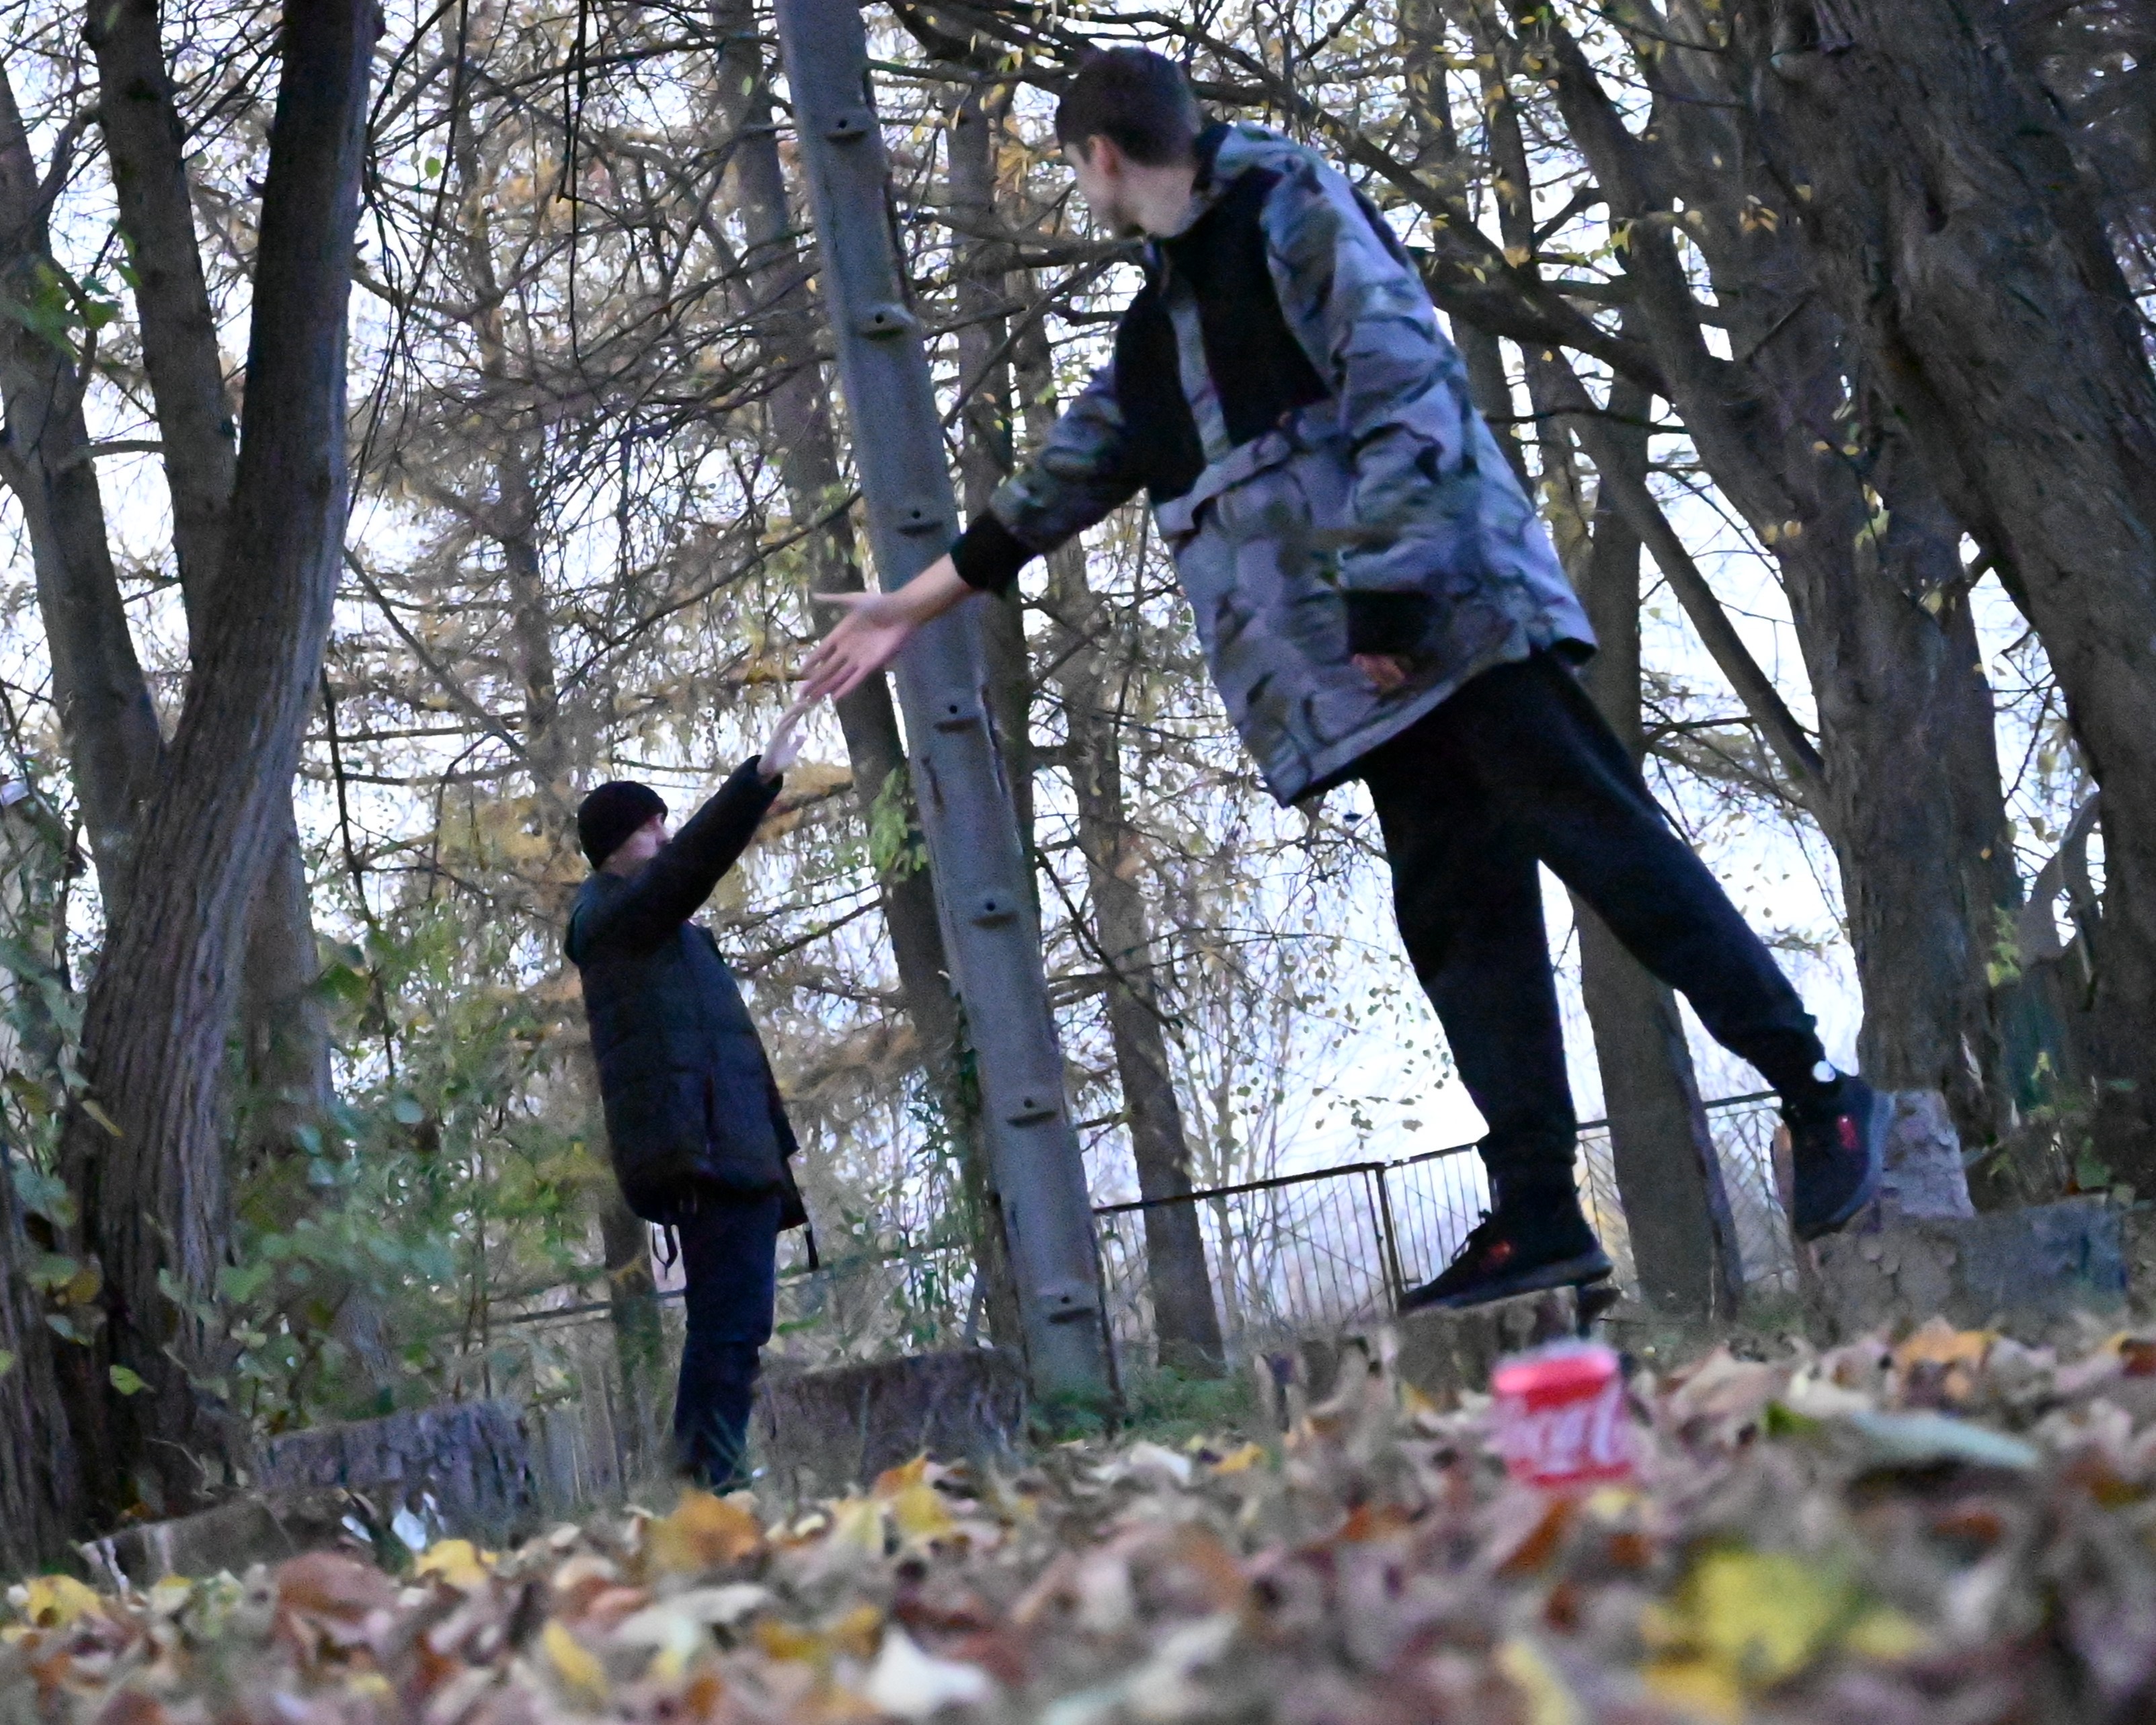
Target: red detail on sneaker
x=1498 y=1253
x=1845 y=1128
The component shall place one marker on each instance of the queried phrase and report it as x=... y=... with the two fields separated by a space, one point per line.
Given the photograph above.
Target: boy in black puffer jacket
x=700 y=1139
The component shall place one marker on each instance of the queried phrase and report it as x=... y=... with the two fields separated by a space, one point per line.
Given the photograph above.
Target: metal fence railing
x=1292 y=1255
x=1305 y=1252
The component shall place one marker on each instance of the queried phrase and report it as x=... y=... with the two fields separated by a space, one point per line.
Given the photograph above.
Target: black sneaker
x=1521 y=1249
x=1838 y=1148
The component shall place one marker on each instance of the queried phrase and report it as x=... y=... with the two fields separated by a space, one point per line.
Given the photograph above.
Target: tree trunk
x=1876 y=600
x=799 y=410
x=37 y=1475
x=284 y=1030
x=1684 y=1248
x=1949 y=230
x=984 y=447
x=1186 y=1323
x=639 y=1342
x=154 y=1205
x=284 y=1025
x=107 y=722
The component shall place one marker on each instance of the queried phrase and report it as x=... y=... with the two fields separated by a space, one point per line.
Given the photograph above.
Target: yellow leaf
x=1549 y=1698
x=99 y=1115
x=1887 y=1634
x=786 y=1640
x=55 y=1601
x=169 y=1593
x=704 y=1533
x=858 y=1521
x=1242 y=1461
x=456 y=1561
x=1939 y=1344
x=573 y=1662
x=1698 y=1686
x=858 y=1633
x=1762 y=1614
x=920 y=1512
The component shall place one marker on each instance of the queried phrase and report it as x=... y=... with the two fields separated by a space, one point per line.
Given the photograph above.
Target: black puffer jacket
x=690 y=1102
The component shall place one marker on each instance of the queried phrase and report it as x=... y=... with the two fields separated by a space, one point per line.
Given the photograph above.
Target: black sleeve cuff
x=747 y=781
x=1395 y=624
x=988 y=555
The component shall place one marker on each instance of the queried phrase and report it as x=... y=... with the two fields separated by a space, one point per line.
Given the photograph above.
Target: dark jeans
x=729 y=1260
x=1519 y=768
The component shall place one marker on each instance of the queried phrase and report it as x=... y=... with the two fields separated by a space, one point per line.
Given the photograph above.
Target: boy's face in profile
x=1102 y=173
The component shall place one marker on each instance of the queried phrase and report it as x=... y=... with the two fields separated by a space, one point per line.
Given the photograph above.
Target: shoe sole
x=1566 y=1273
x=1873 y=1137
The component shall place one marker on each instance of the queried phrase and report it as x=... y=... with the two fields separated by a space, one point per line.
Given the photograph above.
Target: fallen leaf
x=574 y=1663
x=1926 y=1439
x=327 y=1584
x=789 y=1641
x=1887 y=1635
x=54 y=1601
x=1701 y=1687
x=1939 y=1344
x=892 y=1480
x=457 y=1562
x=1549 y=1698
x=704 y=1533
x=1152 y=1460
x=919 y=1512
x=1762 y=1615
x=859 y=1632
x=914 y=1685
x=858 y=1522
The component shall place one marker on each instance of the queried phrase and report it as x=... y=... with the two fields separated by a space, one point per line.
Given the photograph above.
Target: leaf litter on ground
x=1954 y=1527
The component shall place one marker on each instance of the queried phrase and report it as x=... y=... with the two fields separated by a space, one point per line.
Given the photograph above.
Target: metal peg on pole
x=990 y=925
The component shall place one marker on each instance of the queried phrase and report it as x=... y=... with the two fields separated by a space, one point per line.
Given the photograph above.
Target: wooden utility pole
x=991 y=931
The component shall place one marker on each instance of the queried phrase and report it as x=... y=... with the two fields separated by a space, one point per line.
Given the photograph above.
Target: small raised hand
x=784 y=747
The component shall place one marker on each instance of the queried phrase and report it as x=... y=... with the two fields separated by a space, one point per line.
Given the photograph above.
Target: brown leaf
x=326 y=1584
x=704 y=1533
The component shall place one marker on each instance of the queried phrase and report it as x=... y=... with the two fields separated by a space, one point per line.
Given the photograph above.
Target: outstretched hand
x=866 y=639
x=877 y=625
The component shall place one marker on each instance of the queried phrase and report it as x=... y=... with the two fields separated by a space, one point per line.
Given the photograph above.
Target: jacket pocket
x=1180 y=518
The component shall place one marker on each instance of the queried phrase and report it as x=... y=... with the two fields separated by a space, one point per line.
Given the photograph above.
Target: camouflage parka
x=1282 y=391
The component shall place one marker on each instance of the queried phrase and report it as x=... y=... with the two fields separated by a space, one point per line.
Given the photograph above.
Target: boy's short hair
x=1138 y=99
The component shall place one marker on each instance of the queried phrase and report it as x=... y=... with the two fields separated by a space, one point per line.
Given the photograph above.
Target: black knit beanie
x=611 y=814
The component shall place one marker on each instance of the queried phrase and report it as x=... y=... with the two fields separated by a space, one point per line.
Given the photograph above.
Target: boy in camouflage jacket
x=1376 y=600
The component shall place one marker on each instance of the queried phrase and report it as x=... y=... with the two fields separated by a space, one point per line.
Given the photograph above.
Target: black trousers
x=730 y=1266
x=1519 y=768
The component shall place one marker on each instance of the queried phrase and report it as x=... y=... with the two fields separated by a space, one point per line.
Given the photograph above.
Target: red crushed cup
x=1560 y=1418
